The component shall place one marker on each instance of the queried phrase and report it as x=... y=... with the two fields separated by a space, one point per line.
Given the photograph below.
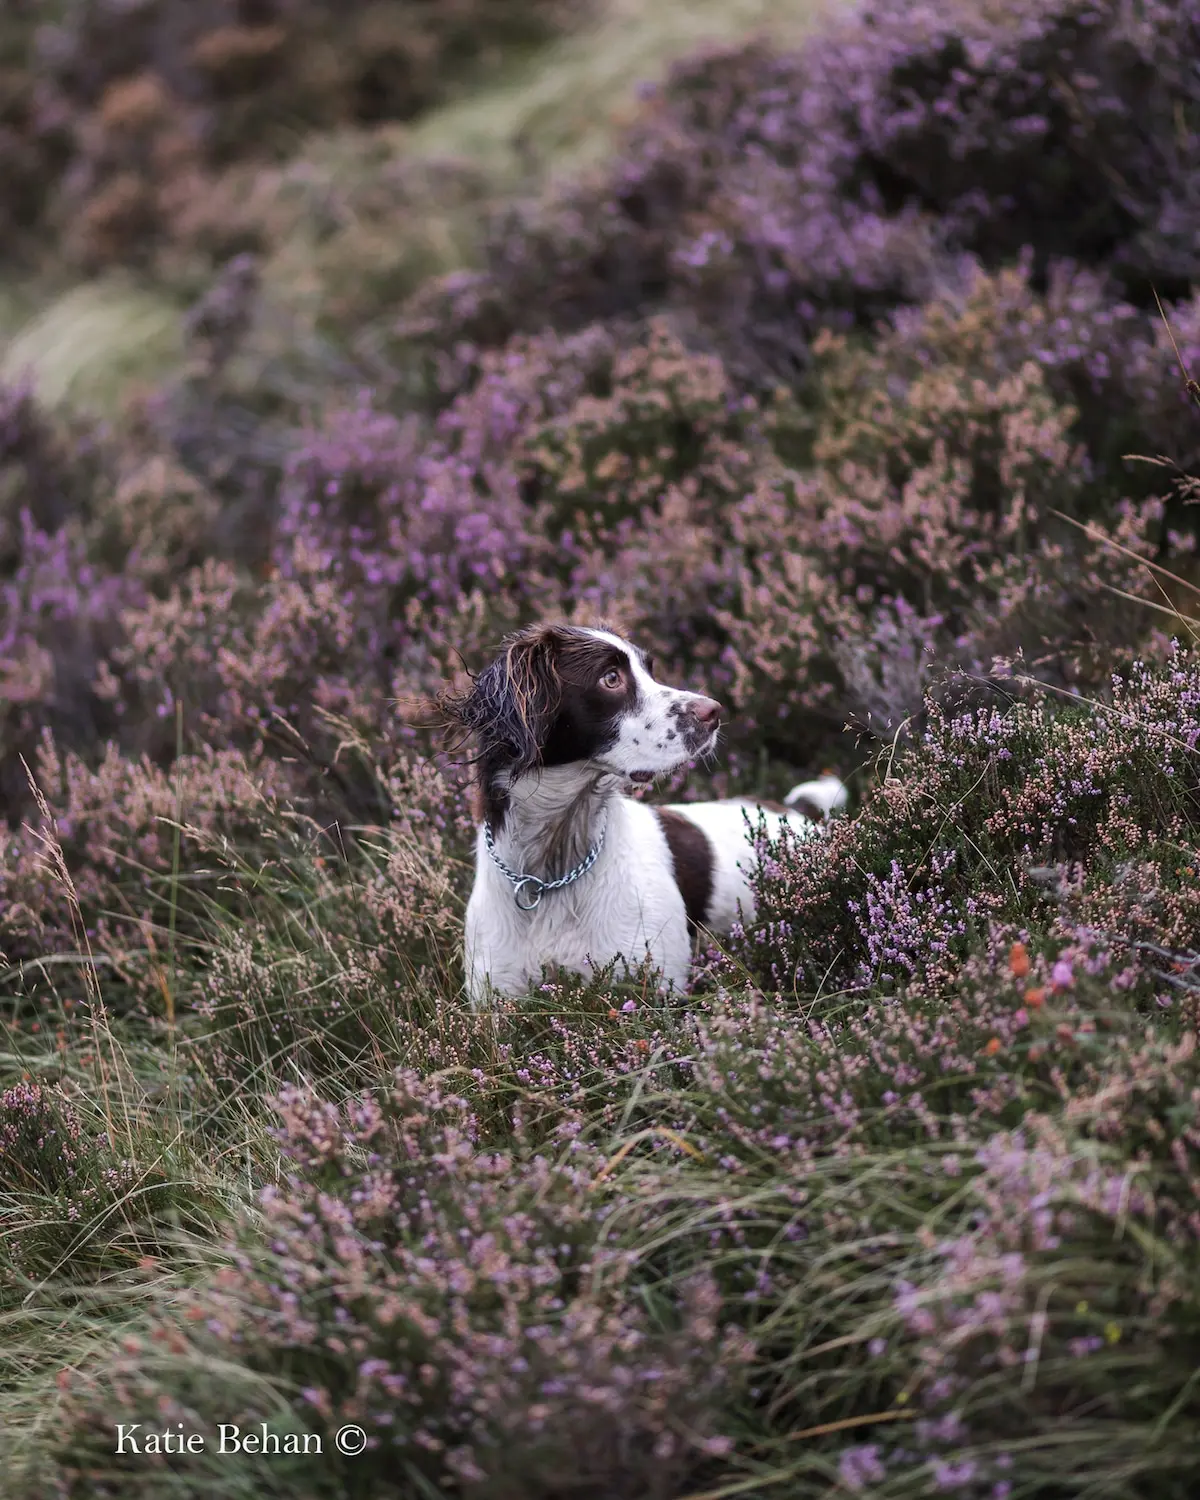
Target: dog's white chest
x=627 y=907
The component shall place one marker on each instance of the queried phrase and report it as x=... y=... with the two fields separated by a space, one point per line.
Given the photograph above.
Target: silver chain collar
x=540 y=886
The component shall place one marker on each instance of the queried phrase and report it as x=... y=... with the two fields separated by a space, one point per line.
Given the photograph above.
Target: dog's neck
x=545 y=821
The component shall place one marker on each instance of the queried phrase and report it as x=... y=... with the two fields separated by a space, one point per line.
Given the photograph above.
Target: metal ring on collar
x=538 y=886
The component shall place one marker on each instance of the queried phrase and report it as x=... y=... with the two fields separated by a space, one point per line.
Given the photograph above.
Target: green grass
x=90 y=346
x=562 y=111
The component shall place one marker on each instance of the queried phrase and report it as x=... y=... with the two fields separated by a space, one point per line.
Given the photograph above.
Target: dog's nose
x=706 y=712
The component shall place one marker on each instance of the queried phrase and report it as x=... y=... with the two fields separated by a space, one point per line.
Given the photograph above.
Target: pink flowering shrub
x=57 y=601
x=117 y=856
x=48 y=468
x=776 y=193
x=932 y=525
x=1086 y=812
x=74 y=1204
x=1021 y=125
x=1100 y=360
x=466 y=1306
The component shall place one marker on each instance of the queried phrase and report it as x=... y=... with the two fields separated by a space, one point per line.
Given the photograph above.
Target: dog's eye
x=613 y=679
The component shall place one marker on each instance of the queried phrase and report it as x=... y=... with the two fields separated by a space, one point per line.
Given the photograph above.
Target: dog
x=569 y=869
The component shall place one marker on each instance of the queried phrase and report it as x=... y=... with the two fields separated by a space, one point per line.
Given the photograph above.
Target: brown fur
x=532 y=705
x=806 y=809
x=692 y=858
x=773 y=807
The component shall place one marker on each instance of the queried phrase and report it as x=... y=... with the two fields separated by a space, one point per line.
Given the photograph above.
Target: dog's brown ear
x=512 y=703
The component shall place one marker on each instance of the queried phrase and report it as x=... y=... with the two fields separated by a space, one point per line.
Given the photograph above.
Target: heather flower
x=953 y=1476
x=1062 y=976
x=861 y=1467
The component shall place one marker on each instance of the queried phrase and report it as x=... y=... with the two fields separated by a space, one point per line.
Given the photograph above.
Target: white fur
x=627 y=907
x=648 y=738
x=732 y=828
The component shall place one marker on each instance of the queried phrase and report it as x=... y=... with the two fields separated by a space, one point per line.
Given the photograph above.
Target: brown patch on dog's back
x=803 y=806
x=807 y=809
x=774 y=807
x=692 y=859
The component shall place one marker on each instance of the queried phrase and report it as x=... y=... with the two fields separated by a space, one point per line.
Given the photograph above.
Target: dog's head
x=562 y=695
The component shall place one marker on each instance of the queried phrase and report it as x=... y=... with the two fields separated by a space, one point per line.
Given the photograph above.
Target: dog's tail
x=825 y=795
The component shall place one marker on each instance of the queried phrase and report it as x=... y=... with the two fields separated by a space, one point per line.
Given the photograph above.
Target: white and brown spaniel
x=568 y=870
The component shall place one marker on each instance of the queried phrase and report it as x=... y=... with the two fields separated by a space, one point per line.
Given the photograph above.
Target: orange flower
x=1018 y=960
x=1035 y=999
x=992 y=1047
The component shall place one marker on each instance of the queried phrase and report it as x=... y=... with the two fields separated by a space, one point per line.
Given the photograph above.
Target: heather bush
x=1011 y=814
x=110 y=867
x=1023 y=124
x=936 y=521
x=653 y=463
x=464 y=1306
x=49 y=469
x=768 y=195
x=74 y=1206
x=58 y=617
x=382 y=513
x=57 y=606
x=1099 y=358
x=157 y=520
x=235 y=656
